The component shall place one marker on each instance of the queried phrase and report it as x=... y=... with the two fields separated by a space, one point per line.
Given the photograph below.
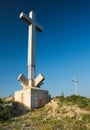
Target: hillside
x=61 y=113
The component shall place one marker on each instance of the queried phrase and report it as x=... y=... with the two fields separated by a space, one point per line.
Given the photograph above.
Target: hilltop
x=61 y=113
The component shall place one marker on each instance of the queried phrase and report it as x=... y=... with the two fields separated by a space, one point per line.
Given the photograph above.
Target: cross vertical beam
x=31 y=48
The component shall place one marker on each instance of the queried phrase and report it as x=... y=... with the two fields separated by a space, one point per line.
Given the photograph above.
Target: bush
x=5 y=114
x=82 y=102
x=1 y=101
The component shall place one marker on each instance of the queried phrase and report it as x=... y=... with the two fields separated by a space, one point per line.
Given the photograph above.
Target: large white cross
x=33 y=26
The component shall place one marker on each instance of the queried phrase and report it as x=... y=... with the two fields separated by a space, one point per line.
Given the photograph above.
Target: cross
x=75 y=85
x=33 y=25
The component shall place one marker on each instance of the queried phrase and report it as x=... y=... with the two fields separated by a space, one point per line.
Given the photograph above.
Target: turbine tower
x=75 y=85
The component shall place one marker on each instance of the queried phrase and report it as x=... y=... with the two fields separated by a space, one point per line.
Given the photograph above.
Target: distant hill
x=61 y=113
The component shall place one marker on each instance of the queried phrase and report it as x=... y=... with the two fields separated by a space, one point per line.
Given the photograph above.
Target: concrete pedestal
x=32 y=98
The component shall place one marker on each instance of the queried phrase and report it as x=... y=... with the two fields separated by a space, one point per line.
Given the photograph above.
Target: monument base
x=32 y=98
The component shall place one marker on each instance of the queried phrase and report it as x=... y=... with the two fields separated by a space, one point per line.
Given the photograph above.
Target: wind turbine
x=75 y=85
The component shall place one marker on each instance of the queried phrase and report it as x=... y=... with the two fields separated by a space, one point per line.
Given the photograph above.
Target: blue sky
x=63 y=48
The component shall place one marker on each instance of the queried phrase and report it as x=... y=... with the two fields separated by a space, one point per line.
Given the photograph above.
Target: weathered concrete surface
x=23 y=96
x=39 y=98
x=32 y=98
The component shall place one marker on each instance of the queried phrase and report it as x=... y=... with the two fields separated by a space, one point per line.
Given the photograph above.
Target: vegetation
x=5 y=114
x=62 y=113
x=82 y=102
x=1 y=101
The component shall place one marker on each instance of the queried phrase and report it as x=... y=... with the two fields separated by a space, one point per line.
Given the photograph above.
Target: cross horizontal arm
x=39 y=28
x=25 y=18
x=74 y=81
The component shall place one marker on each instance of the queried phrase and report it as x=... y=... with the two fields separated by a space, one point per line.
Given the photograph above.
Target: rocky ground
x=59 y=114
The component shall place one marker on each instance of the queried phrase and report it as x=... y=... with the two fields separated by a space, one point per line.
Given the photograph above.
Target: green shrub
x=1 y=101
x=5 y=114
x=82 y=102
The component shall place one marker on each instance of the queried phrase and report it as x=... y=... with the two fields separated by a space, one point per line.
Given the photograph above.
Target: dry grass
x=59 y=114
